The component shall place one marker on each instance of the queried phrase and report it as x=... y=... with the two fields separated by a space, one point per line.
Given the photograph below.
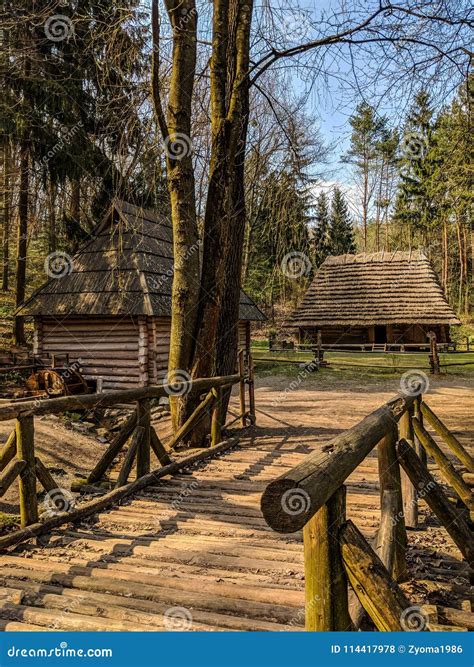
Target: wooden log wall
x=125 y=352
x=107 y=346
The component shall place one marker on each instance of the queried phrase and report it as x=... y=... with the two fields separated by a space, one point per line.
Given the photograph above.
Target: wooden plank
x=143 y=450
x=410 y=504
x=112 y=497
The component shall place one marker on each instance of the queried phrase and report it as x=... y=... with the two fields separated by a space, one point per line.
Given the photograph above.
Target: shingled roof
x=377 y=288
x=125 y=269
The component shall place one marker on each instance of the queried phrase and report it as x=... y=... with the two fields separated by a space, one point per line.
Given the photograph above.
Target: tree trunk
x=6 y=216
x=22 y=244
x=52 y=241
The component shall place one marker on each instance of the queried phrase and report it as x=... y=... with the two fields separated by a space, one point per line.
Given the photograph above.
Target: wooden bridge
x=188 y=546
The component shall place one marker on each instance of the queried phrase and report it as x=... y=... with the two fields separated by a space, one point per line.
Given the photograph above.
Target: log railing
x=18 y=458
x=312 y=497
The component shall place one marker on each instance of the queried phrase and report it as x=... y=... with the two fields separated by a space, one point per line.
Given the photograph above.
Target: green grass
x=352 y=364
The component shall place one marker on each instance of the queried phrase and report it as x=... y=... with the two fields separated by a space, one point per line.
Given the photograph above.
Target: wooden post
x=251 y=382
x=129 y=457
x=326 y=599
x=143 y=448
x=25 y=442
x=192 y=420
x=419 y=415
x=216 y=421
x=410 y=503
x=113 y=449
x=453 y=443
x=8 y=476
x=378 y=593
x=390 y=480
x=446 y=468
x=242 y=387
x=159 y=449
x=434 y=496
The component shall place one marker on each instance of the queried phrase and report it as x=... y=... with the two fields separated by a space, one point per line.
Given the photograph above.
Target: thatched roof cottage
x=111 y=306
x=378 y=298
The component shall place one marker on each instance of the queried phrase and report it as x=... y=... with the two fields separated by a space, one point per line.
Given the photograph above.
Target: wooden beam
x=378 y=593
x=129 y=457
x=143 y=450
x=25 y=442
x=53 y=406
x=241 y=369
x=410 y=503
x=390 y=480
x=9 y=475
x=434 y=496
x=159 y=449
x=191 y=420
x=326 y=598
x=446 y=468
x=321 y=473
x=113 y=497
x=386 y=540
x=251 y=384
x=45 y=478
x=113 y=449
x=8 y=450
x=453 y=443
x=216 y=421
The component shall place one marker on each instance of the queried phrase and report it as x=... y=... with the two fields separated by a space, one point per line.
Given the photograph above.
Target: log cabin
x=109 y=306
x=374 y=299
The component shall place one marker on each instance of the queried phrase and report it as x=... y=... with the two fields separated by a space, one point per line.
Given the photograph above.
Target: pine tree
x=341 y=230
x=367 y=129
x=322 y=240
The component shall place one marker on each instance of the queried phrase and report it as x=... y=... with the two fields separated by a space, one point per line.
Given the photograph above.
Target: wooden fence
x=312 y=496
x=19 y=460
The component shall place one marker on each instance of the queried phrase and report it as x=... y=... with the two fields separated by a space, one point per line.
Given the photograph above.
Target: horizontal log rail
x=312 y=496
x=291 y=500
x=18 y=460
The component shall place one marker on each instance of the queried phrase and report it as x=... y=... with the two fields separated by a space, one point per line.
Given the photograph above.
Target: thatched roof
x=125 y=269
x=378 y=288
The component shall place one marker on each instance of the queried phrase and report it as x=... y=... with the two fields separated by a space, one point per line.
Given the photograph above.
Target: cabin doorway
x=380 y=334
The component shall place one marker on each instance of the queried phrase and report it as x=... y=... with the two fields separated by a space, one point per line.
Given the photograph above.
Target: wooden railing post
x=251 y=383
x=25 y=443
x=326 y=599
x=410 y=501
x=390 y=480
x=216 y=421
x=419 y=449
x=242 y=387
x=143 y=446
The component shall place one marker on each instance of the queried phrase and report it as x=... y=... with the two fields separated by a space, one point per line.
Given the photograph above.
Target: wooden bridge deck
x=193 y=552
